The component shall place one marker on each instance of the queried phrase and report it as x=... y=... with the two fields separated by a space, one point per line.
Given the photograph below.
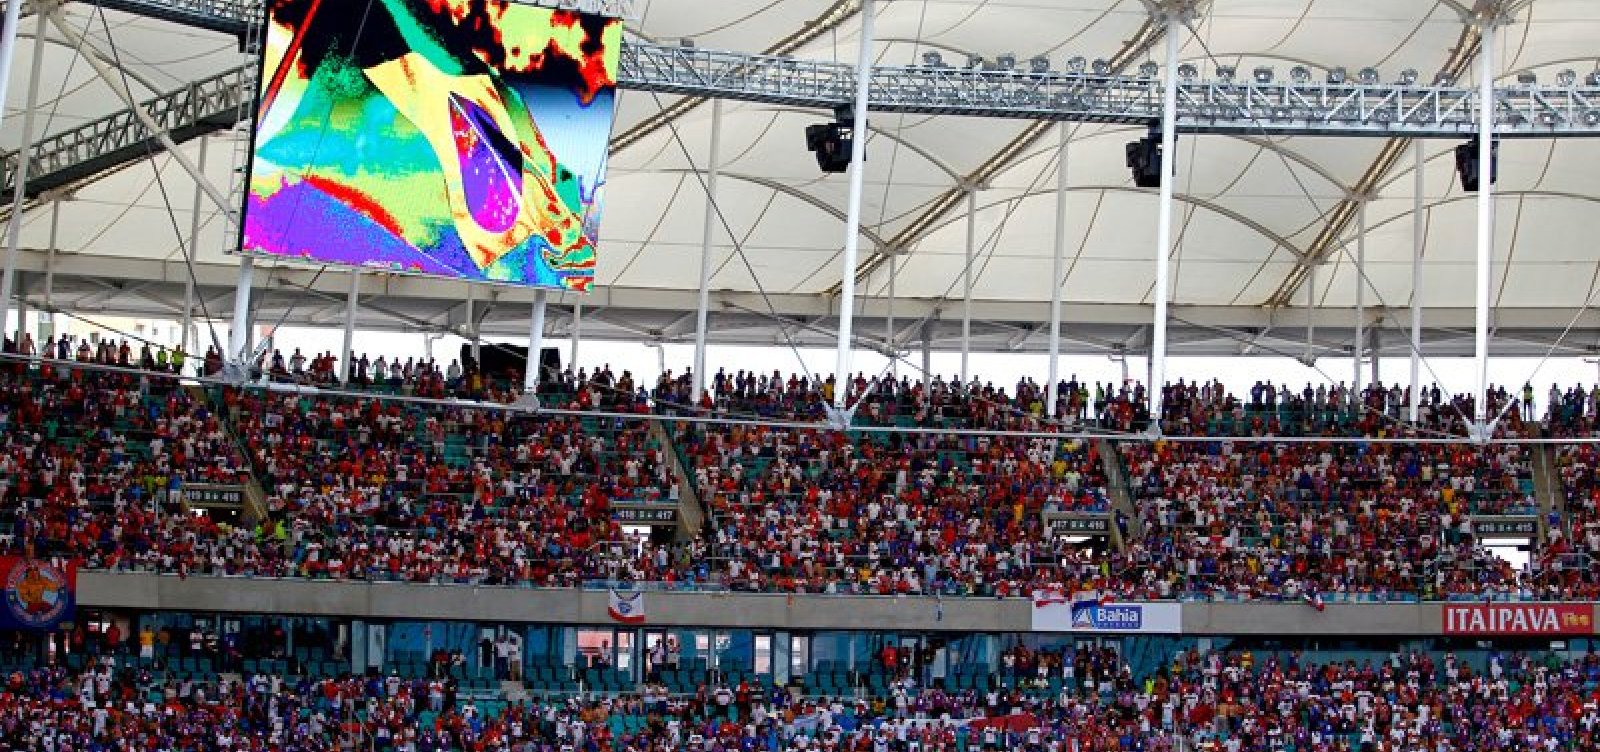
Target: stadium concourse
x=250 y=503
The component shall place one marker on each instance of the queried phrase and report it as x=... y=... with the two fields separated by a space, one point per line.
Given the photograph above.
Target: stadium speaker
x=1467 y=164
x=831 y=142
x=1144 y=159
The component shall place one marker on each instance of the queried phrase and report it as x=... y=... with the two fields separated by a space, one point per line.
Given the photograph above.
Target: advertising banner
x=625 y=607
x=38 y=595
x=1054 y=613
x=1519 y=619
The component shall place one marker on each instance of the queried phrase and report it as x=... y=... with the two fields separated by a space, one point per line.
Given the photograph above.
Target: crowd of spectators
x=809 y=511
x=1079 y=701
x=1573 y=550
x=369 y=487
x=1292 y=520
x=92 y=463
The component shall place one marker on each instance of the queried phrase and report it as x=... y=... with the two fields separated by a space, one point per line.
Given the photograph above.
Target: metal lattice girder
x=1247 y=108
x=1230 y=107
x=227 y=16
x=61 y=159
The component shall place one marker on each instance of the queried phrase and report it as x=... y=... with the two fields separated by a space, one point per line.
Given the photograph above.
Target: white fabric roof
x=1249 y=206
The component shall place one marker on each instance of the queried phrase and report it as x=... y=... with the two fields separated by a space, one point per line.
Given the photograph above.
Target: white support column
x=1058 y=270
x=1361 y=297
x=530 y=379
x=50 y=271
x=577 y=337
x=1486 y=100
x=858 y=168
x=1169 y=165
x=1418 y=240
x=239 y=326
x=707 y=232
x=927 y=351
x=24 y=157
x=966 y=284
x=1311 y=314
x=1374 y=356
x=8 y=50
x=22 y=314
x=888 y=323
x=350 y=305
x=194 y=240
x=472 y=325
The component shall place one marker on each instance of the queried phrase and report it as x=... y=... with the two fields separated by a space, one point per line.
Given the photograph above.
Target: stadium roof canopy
x=1255 y=210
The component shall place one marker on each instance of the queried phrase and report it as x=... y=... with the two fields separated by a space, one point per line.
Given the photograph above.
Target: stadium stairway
x=691 y=512
x=1117 y=490
x=255 y=497
x=1547 y=490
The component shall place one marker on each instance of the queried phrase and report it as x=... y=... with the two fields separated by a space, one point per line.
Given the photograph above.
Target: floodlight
x=1336 y=76
x=1467 y=164
x=1077 y=64
x=1528 y=78
x=1006 y=61
x=1594 y=78
x=1263 y=74
x=1039 y=64
x=1592 y=117
x=1567 y=77
x=1145 y=159
x=1226 y=72
x=831 y=143
x=686 y=43
x=1408 y=77
x=1547 y=117
x=1444 y=78
x=975 y=62
x=1300 y=74
x=933 y=59
x=1369 y=76
x=1149 y=69
x=1188 y=72
x=1102 y=66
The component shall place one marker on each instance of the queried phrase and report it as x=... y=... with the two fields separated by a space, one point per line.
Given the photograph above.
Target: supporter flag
x=1086 y=598
x=1315 y=601
x=1046 y=597
x=625 y=608
x=38 y=595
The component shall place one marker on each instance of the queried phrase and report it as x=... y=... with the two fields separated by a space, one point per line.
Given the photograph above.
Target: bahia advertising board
x=1055 y=613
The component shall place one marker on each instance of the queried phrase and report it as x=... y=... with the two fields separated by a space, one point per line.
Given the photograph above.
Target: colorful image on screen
x=459 y=138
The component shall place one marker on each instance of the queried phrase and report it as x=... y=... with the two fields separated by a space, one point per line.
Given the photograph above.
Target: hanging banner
x=1508 y=526
x=1053 y=612
x=625 y=608
x=1534 y=619
x=209 y=495
x=1062 y=523
x=38 y=595
x=645 y=514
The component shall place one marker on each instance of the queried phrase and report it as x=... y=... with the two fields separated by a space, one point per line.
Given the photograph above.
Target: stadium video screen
x=458 y=138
